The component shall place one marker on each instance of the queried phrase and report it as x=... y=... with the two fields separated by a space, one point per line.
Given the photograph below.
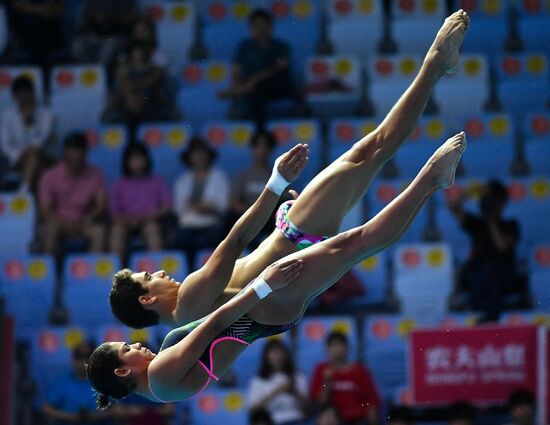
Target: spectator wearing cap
x=522 y=408
x=72 y=199
x=138 y=202
x=346 y=385
x=26 y=129
x=201 y=198
x=462 y=413
x=70 y=400
x=261 y=69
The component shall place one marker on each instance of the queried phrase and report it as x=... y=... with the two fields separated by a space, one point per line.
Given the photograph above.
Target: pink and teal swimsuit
x=290 y=231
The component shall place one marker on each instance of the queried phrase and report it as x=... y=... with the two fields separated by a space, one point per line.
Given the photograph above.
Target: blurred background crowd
x=136 y=132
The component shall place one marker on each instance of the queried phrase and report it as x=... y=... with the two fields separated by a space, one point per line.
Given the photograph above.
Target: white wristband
x=276 y=183
x=261 y=288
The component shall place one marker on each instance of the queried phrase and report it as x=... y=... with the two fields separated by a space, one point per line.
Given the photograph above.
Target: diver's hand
x=280 y=274
x=291 y=163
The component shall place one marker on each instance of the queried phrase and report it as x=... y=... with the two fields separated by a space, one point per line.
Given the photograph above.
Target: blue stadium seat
x=389 y=77
x=217 y=406
x=333 y=84
x=88 y=277
x=69 y=86
x=486 y=17
x=465 y=92
x=533 y=20
x=202 y=257
x=51 y=355
x=312 y=333
x=106 y=148
x=121 y=333
x=373 y=274
x=200 y=83
x=355 y=27
x=172 y=262
x=28 y=285
x=415 y=24
x=231 y=140
x=537 y=146
x=490 y=149
x=175 y=24
x=166 y=142
x=540 y=276
x=291 y=132
x=10 y=73
x=344 y=132
x=424 y=280
x=523 y=83
x=17 y=223
x=522 y=318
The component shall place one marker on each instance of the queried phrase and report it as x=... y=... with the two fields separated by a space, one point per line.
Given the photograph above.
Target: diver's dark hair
x=100 y=371
x=265 y=368
x=336 y=336
x=124 y=299
x=136 y=149
x=266 y=135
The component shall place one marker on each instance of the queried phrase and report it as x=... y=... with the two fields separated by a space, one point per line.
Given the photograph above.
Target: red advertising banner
x=481 y=365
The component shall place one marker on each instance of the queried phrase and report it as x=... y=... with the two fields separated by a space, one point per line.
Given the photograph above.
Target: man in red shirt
x=346 y=385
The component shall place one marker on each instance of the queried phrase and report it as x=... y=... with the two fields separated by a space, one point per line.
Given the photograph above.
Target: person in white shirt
x=25 y=130
x=278 y=388
x=201 y=197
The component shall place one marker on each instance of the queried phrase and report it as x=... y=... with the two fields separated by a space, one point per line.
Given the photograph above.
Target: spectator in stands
x=249 y=183
x=72 y=199
x=139 y=89
x=260 y=417
x=346 y=385
x=400 y=415
x=37 y=28
x=144 y=32
x=261 y=72
x=462 y=413
x=328 y=415
x=71 y=399
x=135 y=410
x=491 y=271
x=139 y=201
x=104 y=30
x=25 y=132
x=201 y=197
x=278 y=388
x=522 y=408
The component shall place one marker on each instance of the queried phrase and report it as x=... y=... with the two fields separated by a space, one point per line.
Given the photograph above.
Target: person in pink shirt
x=138 y=201
x=72 y=197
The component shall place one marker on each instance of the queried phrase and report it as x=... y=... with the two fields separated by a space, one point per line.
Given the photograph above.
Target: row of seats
x=380 y=341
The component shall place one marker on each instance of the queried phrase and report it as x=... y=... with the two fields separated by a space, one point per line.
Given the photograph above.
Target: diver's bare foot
x=443 y=163
x=446 y=46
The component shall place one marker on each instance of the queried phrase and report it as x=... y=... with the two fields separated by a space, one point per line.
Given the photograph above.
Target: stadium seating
x=200 y=84
x=77 y=95
x=486 y=17
x=106 y=146
x=333 y=84
x=175 y=23
x=10 y=73
x=312 y=333
x=172 y=262
x=423 y=280
x=28 y=283
x=373 y=275
x=293 y=131
x=465 y=92
x=533 y=20
x=231 y=140
x=17 y=223
x=540 y=276
x=166 y=142
x=415 y=23
x=218 y=406
x=523 y=83
x=536 y=133
x=119 y=333
x=522 y=318
x=344 y=132
x=388 y=78
x=490 y=149
x=87 y=277
x=355 y=27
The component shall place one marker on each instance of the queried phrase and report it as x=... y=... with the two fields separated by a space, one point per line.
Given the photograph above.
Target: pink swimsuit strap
x=210 y=371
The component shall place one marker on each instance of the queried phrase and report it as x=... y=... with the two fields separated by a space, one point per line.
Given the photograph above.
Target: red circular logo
x=386 y=193
x=48 y=342
x=511 y=66
x=319 y=68
x=469 y=5
x=382 y=329
x=153 y=137
x=217 y=10
x=532 y=5
x=343 y=7
x=80 y=269
x=315 y=331
x=517 y=191
x=542 y=256
x=93 y=138
x=5 y=79
x=411 y=258
x=155 y=13
x=454 y=192
x=65 y=78
x=515 y=320
x=113 y=335
x=2 y=207
x=208 y=404
x=540 y=125
x=406 y=5
x=216 y=136
x=345 y=132
x=146 y=264
x=14 y=269
x=282 y=134
x=474 y=128
x=384 y=67
x=280 y=9
x=192 y=74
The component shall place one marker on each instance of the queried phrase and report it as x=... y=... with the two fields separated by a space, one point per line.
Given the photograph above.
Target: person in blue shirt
x=71 y=400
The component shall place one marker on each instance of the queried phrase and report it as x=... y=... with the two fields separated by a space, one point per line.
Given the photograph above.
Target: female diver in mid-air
x=194 y=354
x=141 y=299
